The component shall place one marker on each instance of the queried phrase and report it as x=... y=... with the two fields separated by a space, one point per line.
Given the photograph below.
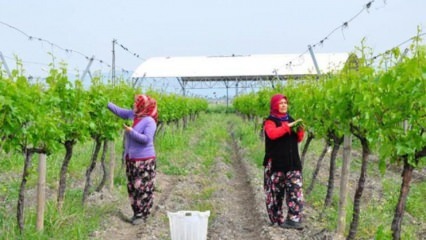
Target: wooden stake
x=111 y=164
x=41 y=194
x=347 y=146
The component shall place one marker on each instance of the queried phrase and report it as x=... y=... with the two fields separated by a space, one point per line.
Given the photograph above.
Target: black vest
x=283 y=151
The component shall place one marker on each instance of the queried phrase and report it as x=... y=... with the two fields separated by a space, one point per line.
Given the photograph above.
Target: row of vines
x=384 y=107
x=43 y=116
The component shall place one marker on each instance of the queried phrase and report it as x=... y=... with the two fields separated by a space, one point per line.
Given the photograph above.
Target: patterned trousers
x=140 y=185
x=278 y=185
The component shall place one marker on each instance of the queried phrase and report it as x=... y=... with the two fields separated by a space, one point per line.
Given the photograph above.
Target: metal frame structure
x=251 y=71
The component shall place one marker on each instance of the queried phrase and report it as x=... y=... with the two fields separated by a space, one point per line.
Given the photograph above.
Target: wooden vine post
x=341 y=220
x=41 y=193
x=111 y=164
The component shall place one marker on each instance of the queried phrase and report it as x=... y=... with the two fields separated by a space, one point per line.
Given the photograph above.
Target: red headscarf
x=275 y=105
x=145 y=106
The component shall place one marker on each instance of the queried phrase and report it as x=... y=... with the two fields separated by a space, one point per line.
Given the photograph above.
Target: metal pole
x=87 y=68
x=114 y=41
x=137 y=79
x=236 y=87
x=182 y=85
x=3 y=61
x=272 y=82
x=314 y=59
x=227 y=94
x=403 y=55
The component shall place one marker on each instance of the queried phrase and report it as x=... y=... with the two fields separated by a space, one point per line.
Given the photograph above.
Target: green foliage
x=172 y=107
x=388 y=108
x=219 y=108
x=43 y=115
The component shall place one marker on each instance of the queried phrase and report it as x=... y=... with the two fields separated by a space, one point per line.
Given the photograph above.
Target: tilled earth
x=237 y=205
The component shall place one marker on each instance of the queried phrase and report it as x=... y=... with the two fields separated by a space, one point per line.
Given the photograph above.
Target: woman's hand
x=127 y=128
x=295 y=123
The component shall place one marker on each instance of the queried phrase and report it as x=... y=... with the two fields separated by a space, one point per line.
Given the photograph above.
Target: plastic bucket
x=188 y=225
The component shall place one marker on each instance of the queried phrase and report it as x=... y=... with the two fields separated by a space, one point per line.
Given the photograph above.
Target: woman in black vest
x=283 y=169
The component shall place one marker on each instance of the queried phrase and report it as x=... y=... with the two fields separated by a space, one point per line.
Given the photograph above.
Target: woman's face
x=282 y=106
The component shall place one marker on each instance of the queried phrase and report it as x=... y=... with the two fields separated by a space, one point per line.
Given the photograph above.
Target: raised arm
x=120 y=112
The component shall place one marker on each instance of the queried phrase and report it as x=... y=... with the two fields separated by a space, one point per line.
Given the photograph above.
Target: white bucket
x=188 y=225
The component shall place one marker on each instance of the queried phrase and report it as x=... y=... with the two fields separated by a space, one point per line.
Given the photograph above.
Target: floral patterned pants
x=140 y=185
x=278 y=185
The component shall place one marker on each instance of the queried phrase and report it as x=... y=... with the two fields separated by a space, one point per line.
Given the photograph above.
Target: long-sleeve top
x=281 y=145
x=139 y=142
x=275 y=132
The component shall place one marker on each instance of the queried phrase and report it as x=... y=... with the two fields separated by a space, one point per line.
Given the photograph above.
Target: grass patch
x=74 y=221
x=416 y=204
x=220 y=108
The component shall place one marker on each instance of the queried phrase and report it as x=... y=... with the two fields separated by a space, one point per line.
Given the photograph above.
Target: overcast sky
x=195 y=28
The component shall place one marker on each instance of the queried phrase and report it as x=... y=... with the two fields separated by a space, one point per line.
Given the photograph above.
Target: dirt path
x=236 y=203
x=239 y=218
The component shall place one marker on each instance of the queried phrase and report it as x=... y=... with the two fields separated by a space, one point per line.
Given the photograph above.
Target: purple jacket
x=139 y=143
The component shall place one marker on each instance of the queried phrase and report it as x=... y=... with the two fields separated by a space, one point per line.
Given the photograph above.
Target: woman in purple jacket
x=139 y=153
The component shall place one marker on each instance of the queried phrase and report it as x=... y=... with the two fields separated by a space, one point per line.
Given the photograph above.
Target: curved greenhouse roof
x=228 y=67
